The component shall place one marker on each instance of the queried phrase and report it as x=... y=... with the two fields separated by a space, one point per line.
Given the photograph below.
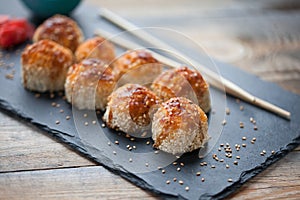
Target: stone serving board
x=274 y=135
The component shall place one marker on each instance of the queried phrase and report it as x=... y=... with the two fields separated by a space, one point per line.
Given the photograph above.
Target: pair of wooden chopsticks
x=212 y=78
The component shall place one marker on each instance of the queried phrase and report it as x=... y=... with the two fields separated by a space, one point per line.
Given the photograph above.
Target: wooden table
x=261 y=38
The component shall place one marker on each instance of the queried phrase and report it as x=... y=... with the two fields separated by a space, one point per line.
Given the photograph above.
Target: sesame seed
x=213 y=166
x=187 y=188
x=252 y=142
x=254 y=139
x=53 y=104
x=198 y=173
x=205 y=163
x=251 y=119
x=244 y=138
x=227 y=166
x=244 y=145
x=229 y=180
x=134 y=147
x=178 y=169
x=114 y=152
x=148 y=142
x=182 y=164
x=174 y=179
x=94 y=122
x=108 y=143
x=130 y=159
x=241 y=108
x=221 y=145
x=264 y=151
x=235 y=162
x=224 y=122
x=202 y=179
x=168 y=182
x=61 y=110
x=57 y=122
x=242 y=125
x=130 y=148
x=163 y=171
x=68 y=117
x=238 y=157
x=227 y=111
x=132 y=139
x=262 y=154
x=273 y=152
x=85 y=115
x=222 y=160
x=255 y=128
x=57 y=105
x=219 y=149
x=180 y=182
x=146 y=164
x=156 y=152
x=86 y=123
x=103 y=125
x=116 y=142
x=174 y=163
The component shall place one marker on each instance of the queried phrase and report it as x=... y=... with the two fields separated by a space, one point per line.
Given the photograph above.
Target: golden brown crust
x=96 y=47
x=91 y=77
x=45 y=64
x=141 y=101
x=60 y=29
x=137 y=66
x=179 y=126
x=131 y=108
x=182 y=82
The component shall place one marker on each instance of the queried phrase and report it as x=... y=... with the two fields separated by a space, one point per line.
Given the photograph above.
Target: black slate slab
x=273 y=133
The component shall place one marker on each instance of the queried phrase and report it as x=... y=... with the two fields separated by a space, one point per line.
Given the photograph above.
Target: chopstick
x=211 y=77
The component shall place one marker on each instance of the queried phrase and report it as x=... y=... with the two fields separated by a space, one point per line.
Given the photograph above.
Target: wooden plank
x=34 y=166
x=75 y=183
x=280 y=181
x=24 y=148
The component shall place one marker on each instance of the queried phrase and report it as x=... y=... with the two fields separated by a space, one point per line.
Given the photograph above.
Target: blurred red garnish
x=14 y=31
x=3 y=19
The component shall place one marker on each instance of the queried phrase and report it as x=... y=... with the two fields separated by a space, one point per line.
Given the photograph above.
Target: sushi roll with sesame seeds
x=60 y=29
x=183 y=82
x=179 y=126
x=130 y=109
x=96 y=47
x=88 y=84
x=45 y=65
x=137 y=66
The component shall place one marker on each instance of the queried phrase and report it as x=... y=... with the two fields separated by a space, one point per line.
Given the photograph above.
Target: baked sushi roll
x=130 y=109
x=96 y=47
x=138 y=67
x=60 y=29
x=179 y=126
x=88 y=84
x=183 y=82
x=45 y=65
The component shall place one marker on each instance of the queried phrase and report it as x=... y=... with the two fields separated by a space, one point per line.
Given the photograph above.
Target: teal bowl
x=48 y=8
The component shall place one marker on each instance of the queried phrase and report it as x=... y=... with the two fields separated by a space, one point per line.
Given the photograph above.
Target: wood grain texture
x=259 y=37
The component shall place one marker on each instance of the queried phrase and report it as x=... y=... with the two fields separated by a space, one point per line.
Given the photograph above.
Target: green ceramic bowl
x=47 y=8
